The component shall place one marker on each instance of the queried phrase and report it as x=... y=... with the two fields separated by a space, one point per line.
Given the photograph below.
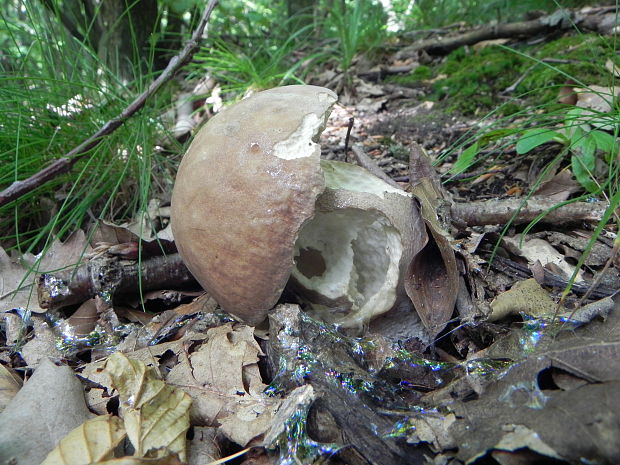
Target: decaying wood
x=111 y=276
x=549 y=279
x=603 y=20
x=444 y=45
x=65 y=163
x=501 y=211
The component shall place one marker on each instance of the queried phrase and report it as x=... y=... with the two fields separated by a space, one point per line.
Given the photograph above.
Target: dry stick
x=64 y=164
x=366 y=162
x=346 y=139
x=500 y=211
x=113 y=276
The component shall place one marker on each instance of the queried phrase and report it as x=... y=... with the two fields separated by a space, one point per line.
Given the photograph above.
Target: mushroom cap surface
x=245 y=187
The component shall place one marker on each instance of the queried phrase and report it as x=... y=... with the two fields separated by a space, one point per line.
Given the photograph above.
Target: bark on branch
x=444 y=45
x=113 y=277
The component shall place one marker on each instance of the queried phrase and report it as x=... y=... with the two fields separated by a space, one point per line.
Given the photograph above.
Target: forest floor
x=525 y=369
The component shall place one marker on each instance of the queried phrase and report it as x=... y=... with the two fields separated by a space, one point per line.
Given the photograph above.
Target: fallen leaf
x=559 y=187
x=42 y=346
x=597 y=98
x=17 y=286
x=156 y=415
x=522 y=407
x=525 y=296
x=432 y=281
x=48 y=407
x=91 y=442
x=204 y=446
x=536 y=249
x=17 y=278
x=10 y=384
x=223 y=378
x=84 y=319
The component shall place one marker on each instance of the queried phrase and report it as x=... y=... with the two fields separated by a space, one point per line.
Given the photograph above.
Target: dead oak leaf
x=223 y=378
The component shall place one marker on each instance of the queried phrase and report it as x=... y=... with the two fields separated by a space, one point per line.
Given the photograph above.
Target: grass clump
x=55 y=92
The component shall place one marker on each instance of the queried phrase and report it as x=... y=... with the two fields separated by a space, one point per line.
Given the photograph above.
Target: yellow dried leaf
x=156 y=415
x=525 y=296
x=92 y=441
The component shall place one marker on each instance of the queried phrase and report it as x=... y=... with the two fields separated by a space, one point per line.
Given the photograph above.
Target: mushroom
x=253 y=205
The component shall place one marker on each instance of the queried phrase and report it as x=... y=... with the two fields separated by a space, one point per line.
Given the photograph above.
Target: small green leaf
x=582 y=172
x=466 y=158
x=585 y=146
x=606 y=143
x=533 y=138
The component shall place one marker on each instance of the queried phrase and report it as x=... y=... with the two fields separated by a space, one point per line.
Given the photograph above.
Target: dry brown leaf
x=17 y=288
x=559 y=187
x=17 y=280
x=84 y=319
x=92 y=441
x=42 y=346
x=432 y=282
x=223 y=378
x=597 y=98
x=156 y=415
x=49 y=406
x=537 y=249
x=10 y=384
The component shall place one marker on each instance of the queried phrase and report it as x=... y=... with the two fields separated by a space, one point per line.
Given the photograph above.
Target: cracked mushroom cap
x=246 y=185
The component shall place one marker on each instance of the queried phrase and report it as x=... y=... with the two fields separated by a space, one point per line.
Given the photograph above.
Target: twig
x=510 y=89
x=64 y=164
x=366 y=162
x=473 y=174
x=553 y=280
x=596 y=282
x=346 y=139
x=500 y=211
x=111 y=276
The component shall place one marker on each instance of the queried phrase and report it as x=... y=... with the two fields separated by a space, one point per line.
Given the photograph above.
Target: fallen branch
x=501 y=211
x=445 y=45
x=113 y=277
x=65 y=163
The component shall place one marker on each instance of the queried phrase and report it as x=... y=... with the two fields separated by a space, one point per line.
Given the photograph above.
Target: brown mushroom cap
x=246 y=185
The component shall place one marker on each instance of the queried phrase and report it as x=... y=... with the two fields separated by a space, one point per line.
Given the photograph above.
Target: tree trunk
x=125 y=28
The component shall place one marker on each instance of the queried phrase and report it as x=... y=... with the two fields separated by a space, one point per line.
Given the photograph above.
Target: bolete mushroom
x=253 y=205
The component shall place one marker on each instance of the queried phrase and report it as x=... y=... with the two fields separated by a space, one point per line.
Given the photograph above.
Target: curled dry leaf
x=156 y=415
x=432 y=280
x=84 y=319
x=91 y=442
